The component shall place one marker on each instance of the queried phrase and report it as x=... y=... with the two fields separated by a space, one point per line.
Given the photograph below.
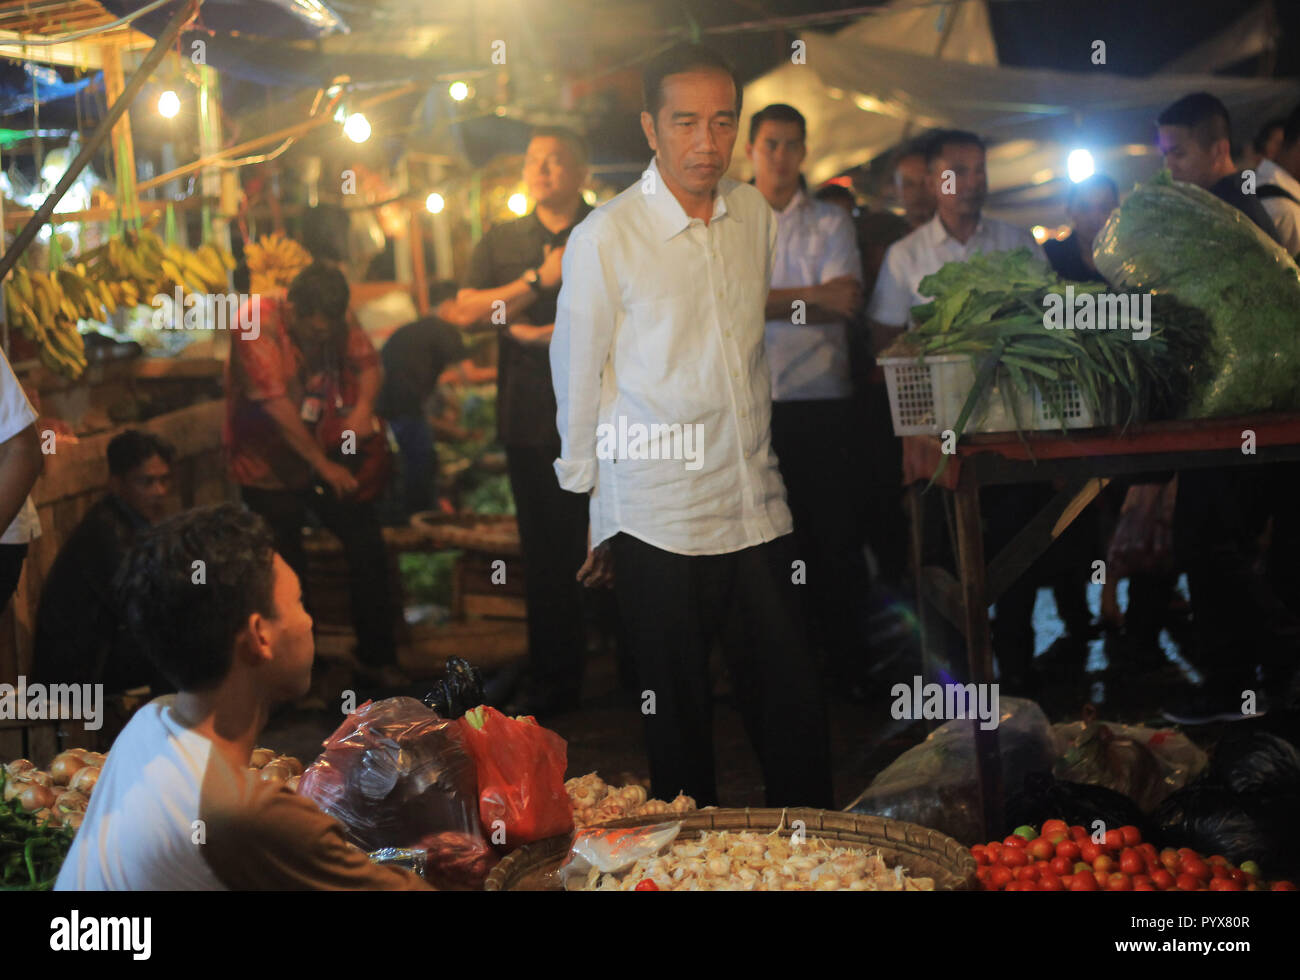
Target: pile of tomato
x=1064 y=858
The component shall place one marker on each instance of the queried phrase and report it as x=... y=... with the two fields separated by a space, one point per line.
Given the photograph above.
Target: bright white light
x=518 y=204
x=589 y=196
x=1079 y=165
x=169 y=103
x=1039 y=233
x=357 y=128
x=458 y=91
x=434 y=203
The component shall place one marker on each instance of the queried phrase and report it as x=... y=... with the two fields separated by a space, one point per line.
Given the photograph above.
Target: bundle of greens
x=1175 y=239
x=995 y=307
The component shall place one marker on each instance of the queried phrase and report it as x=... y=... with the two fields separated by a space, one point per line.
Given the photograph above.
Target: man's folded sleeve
x=585 y=318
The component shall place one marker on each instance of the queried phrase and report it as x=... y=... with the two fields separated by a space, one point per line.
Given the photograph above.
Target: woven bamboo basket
x=922 y=853
x=494 y=534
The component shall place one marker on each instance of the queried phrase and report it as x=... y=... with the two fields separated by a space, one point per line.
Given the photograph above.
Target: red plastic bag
x=521 y=769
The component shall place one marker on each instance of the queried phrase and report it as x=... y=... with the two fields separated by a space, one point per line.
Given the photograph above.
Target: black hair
x=188 y=586
x=777 y=112
x=132 y=448
x=676 y=60
x=325 y=232
x=836 y=192
x=1260 y=142
x=1091 y=183
x=322 y=288
x=1203 y=114
x=1291 y=127
x=940 y=140
x=569 y=137
x=918 y=146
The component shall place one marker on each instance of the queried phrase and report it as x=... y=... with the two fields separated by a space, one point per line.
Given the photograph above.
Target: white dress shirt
x=660 y=322
x=16 y=414
x=927 y=250
x=1285 y=213
x=815 y=242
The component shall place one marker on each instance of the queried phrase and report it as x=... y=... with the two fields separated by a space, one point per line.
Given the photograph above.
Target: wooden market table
x=1080 y=463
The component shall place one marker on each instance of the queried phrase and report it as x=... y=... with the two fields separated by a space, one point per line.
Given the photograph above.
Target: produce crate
x=926 y=397
x=922 y=853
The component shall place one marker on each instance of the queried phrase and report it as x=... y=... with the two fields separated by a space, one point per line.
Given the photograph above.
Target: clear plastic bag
x=934 y=784
x=614 y=849
x=398 y=776
x=1145 y=764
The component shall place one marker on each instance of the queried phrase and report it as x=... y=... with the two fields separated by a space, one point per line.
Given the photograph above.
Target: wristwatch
x=533 y=280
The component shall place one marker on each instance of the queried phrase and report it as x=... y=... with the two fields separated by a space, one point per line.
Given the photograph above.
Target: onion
x=294 y=766
x=261 y=757
x=276 y=771
x=71 y=802
x=44 y=816
x=19 y=766
x=65 y=766
x=85 y=779
x=292 y=783
x=85 y=755
x=36 y=797
x=15 y=786
x=73 y=820
x=39 y=776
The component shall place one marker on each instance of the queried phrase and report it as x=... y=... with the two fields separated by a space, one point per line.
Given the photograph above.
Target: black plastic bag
x=1215 y=819
x=460 y=690
x=1046 y=798
x=1257 y=763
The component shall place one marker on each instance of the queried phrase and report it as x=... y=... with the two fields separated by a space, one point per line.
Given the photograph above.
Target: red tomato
x=1144 y=887
x=1162 y=879
x=646 y=885
x=1001 y=876
x=1141 y=879
x=980 y=854
x=1148 y=851
x=1061 y=865
x=1171 y=859
x=1221 y=871
x=1130 y=862
x=1188 y=883
x=1283 y=886
x=1083 y=882
x=1103 y=878
x=1219 y=859
x=1014 y=857
x=1131 y=836
x=1104 y=863
x=1049 y=882
x=1187 y=852
x=1114 y=840
x=1077 y=833
x=1041 y=849
x=983 y=872
x=1119 y=882
x=1068 y=849
x=994 y=850
x=1027 y=873
x=1015 y=840
x=1196 y=867
x=1066 y=882
x=1224 y=885
x=1239 y=876
x=1055 y=831
x=1013 y=886
x=1089 y=851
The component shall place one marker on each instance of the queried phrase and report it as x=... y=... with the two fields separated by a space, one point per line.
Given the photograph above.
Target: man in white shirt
x=816 y=288
x=21 y=462
x=1279 y=192
x=664 y=407
x=957 y=231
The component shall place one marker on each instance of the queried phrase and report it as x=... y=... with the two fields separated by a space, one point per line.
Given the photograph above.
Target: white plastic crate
x=926 y=397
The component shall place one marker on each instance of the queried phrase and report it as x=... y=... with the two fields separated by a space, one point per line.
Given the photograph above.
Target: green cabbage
x=1176 y=239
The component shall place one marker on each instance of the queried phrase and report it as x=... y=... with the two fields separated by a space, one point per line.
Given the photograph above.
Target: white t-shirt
x=169 y=813
x=815 y=242
x=16 y=414
x=1285 y=213
x=928 y=249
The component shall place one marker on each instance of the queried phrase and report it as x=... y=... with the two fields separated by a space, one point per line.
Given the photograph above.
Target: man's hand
x=337 y=478
x=597 y=572
x=548 y=273
x=841 y=296
x=531 y=336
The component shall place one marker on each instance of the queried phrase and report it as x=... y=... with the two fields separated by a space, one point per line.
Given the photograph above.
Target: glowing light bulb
x=1079 y=165
x=357 y=128
x=518 y=204
x=458 y=91
x=169 y=103
x=434 y=203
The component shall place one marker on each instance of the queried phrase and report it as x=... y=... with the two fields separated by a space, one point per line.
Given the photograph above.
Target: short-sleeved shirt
x=16 y=414
x=927 y=250
x=815 y=242
x=170 y=813
x=1067 y=262
x=525 y=398
x=270 y=365
x=1229 y=190
x=1283 y=209
x=414 y=356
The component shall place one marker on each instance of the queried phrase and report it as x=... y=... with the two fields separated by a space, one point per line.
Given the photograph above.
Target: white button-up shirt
x=927 y=250
x=815 y=242
x=660 y=323
x=16 y=414
x=1284 y=212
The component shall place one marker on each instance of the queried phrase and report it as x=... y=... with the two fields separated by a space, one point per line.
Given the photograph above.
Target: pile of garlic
x=278 y=768
x=595 y=801
x=748 y=861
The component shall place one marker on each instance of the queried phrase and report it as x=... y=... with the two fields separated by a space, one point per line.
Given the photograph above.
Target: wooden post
x=123 y=145
x=419 y=277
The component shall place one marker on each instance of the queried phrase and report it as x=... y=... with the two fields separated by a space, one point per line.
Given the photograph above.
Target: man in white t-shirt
x=1279 y=192
x=957 y=231
x=21 y=463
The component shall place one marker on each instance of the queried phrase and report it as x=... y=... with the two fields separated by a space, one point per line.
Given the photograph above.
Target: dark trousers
x=357 y=527
x=674 y=607
x=825 y=491
x=886 y=520
x=11 y=570
x=419 y=460
x=553 y=537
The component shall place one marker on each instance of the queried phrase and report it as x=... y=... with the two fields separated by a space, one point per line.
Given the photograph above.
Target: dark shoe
x=1203 y=707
